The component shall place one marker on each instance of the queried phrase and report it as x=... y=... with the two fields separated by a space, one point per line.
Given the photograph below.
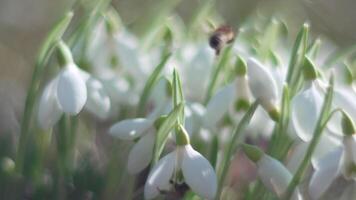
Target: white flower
x=197 y=172
x=141 y=153
x=49 y=109
x=263 y=87
x=305 y=111
x=340 y=161
x=273 y=174
x=68 y=93
x=71 y=90
x=98 y=102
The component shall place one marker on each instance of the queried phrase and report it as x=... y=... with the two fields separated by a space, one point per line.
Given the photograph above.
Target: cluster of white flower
x=251 y=72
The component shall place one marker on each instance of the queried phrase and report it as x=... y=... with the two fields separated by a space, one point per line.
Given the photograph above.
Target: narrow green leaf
x=45 y=52
x=229 y=151
x=219 y=68
x=323 y=119
x=297 y=57
x=164 y=130
x=178 y=94
x=150 y=83
x=214 y=150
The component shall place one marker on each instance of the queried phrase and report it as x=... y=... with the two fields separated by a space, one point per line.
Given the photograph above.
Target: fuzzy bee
x=220 y=37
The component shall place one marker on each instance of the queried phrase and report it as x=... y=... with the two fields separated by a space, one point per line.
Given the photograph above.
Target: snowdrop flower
x=263 y=87
x=66 y=93
x=235 y=96
x=273 y=174
x=196 y=61
x=143 y=131
x=98 y=102
x=306 y=105
x=340 y=161
x=197 y=172
x=70 y=91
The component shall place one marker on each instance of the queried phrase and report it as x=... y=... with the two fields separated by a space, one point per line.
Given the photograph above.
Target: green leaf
x=219 y=68
x=297 y=57
x=229 y=151
x=178 y=94
x=164 y=130
x=45 y=53
x=150 y=83
x=323 y=119
x=313 y=50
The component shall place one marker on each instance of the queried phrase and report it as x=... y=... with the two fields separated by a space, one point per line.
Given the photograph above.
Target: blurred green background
x=24 y=24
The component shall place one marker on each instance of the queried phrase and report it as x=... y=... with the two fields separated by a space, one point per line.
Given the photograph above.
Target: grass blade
x=150 y=83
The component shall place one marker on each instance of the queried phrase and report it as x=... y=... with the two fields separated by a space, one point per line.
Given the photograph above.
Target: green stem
x=45 y=53
x=324 y=117
x=219 y=68
x=150 y=83
x=231 y=145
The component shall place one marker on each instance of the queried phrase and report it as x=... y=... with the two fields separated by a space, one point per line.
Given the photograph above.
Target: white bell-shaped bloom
x=198 y=64
x=197 y=172
x=130 y=129
x=71 y=90
x=273 y=174
x=305 y=111
x=349 y=157
x=98 y=102
x=340 y=161
x=194 y=113
x=141 y=153
x=49 y=109
x=262 y=86
x=219 y=104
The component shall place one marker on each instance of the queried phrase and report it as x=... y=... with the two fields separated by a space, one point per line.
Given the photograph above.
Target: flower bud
x=252 y=152
x=348 y=127
x=159 y=121
x=64 y=55
x=240 y=66
x=309 y=69
x=182 y=137
x=263 y=87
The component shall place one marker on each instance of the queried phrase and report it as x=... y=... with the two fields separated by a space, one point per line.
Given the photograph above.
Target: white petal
x=98 y=101
x=160 y=176
x=130 y=129
x=200 y=66
x=326 y=145
x=297 y=156
x=71 y=90
x=262 y=85
x=325 y=173
x=198 y=173
x=273 y=174
x=141 y=153
x=219 y=105
x=193 y=117
x=49 y=110
x=305 y=112
x=349 y=156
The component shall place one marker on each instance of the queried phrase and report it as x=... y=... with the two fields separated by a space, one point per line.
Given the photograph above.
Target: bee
x=220 y=37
